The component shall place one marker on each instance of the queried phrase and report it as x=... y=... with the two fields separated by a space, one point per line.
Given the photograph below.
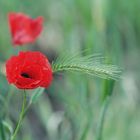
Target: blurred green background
x=70 y=109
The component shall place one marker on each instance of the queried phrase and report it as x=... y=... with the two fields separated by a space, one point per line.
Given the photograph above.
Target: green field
x=77 y=106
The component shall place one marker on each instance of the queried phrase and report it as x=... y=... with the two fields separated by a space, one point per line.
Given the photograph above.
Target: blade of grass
x=106 y=97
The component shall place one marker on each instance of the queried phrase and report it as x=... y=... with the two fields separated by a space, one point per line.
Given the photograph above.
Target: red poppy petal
x=29 y=70
x=24 y=29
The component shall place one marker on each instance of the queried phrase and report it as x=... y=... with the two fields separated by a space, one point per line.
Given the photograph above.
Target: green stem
x=102 y=118
x=85 y=132
x=89 y=114
x=22 y=113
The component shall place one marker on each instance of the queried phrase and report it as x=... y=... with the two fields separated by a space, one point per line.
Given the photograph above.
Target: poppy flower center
x=25 y=75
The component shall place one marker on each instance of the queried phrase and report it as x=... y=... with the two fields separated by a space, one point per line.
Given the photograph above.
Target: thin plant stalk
x=22 y=113
x=102 y=118
x=89 y=114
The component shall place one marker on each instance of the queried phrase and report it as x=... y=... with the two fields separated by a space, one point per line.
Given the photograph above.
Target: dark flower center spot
x=25 y=75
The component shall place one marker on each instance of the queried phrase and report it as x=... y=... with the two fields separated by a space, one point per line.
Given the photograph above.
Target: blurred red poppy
x=24 y=29
x=29 y=70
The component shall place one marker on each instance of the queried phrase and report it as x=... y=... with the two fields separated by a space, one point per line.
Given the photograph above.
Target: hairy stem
x=22 y=113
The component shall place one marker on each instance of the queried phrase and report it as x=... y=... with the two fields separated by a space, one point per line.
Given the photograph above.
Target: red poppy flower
x=29 y=70
x=23 y=28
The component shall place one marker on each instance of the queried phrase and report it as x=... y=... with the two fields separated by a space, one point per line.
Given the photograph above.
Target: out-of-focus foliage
x=70 y=108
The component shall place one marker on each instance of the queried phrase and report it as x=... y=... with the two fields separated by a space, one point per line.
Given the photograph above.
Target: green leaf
x=7 y=127
x=36 y=94
x=91 y=64
x=108 y=86
x=2 y=131
x=5 y=130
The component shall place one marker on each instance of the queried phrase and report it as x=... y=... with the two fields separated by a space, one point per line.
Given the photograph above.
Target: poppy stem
x=20 y=117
